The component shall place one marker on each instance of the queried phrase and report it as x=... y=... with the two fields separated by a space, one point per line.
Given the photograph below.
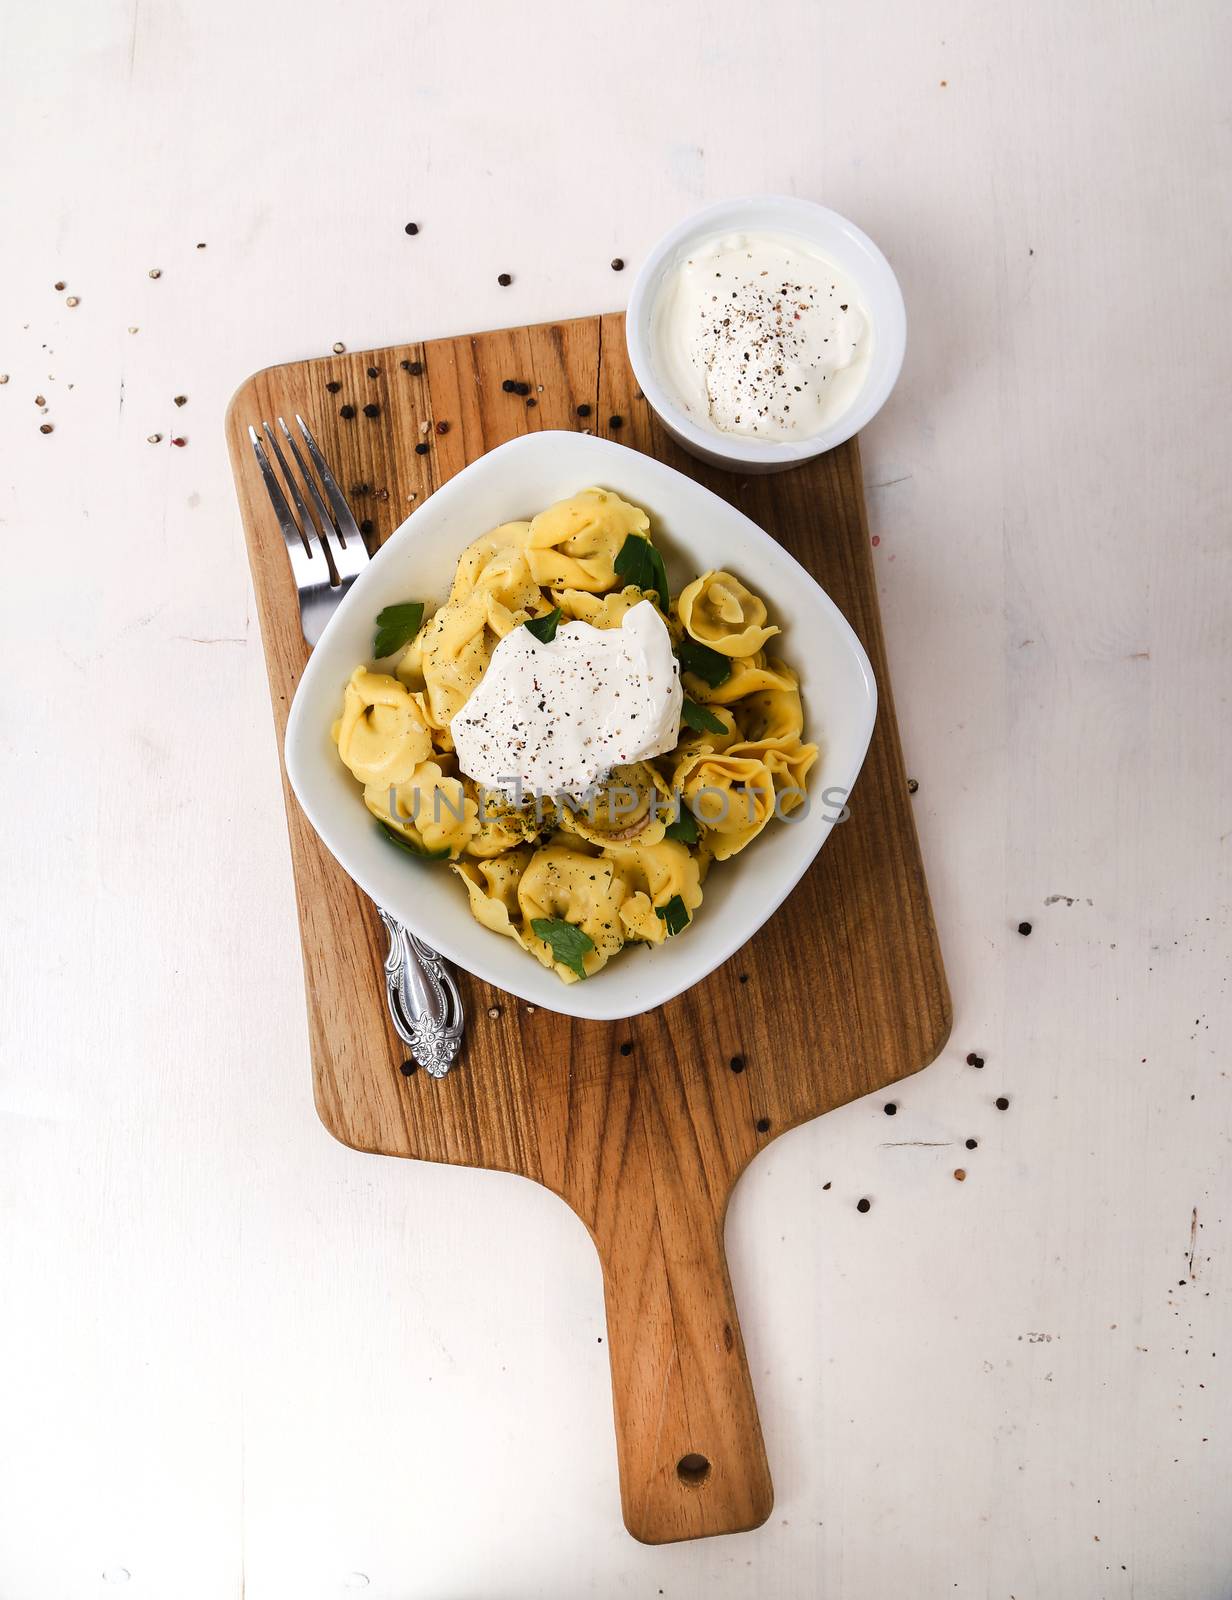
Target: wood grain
x=643 y=1126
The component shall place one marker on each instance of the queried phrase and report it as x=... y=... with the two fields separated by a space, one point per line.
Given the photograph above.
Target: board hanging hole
x=693 y=1470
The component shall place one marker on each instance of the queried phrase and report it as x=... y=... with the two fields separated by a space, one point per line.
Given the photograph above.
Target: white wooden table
x=239 y=1359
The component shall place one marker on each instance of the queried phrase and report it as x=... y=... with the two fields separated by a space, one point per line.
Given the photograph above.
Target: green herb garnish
x=567 y=943
x=699 y=719
x=684 y=830
x=675 y=914
x=409 y=845
x=396 y=626
x=704 y=663
x=544 y=628
x=641 y=565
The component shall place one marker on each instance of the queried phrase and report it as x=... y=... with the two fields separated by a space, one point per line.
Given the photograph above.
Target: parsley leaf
x=544 y=628
x=641 y=565
x=409 y=845
x=684 y=830
x=675 y=914
x=703 y=662
x=396 y=626
x=567 y=943
x=699 y=719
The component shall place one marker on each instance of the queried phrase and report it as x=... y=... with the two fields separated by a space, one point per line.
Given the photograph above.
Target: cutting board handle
x=692 y=1460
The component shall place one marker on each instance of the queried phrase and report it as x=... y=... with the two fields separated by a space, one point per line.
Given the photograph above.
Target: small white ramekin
x=852 y=251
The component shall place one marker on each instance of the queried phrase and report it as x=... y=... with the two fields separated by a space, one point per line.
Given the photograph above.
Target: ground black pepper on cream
x=760 y=336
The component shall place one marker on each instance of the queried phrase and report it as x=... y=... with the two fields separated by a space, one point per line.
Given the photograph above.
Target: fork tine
x=300 y=546
x=314 y=535
x=347 y=559
x=324 y=521
x=347 y=526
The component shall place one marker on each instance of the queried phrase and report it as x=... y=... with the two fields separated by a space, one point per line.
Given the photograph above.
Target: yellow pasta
x=693 y=740
x=653 y=874
x=431 y=809
x=497 y=564
x=572 y=879
x=788 y=762
x=732 y=795
x=574 y=544
x=635 y=804
x=717 y=610
x=749 y=675
x=492 y=887
x=607 y=611
x=561 y=885
x=774 y=712
x=382 y=734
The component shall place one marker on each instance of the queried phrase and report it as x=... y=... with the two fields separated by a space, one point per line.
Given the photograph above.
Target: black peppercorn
x=504 y=280
x=1001 y=1103
x=863 y=1205
x=890 y=1109
x=509 y=386
x=374 y=372
x=583 y=410
x=973 y=1144
x=521 y=388
x=333 y=386
x=616 y=422
x=763 y=1124
x=372 y=410
x=407 y=1067
x=1024 y=928
x=617 y=264
x=973 y=1060
x=421 y=449
x=348 y=412
x=412 y=228
x=365 y=526
x=416 y=369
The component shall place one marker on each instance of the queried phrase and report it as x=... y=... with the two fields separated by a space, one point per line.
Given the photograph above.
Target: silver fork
x=327 y=554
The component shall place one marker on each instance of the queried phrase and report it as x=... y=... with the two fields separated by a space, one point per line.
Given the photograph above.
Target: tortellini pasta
x=431 y=810
x=493 y=890
x=654 y=874
x=774 y=712
x=717 y=610
x=572 y=879
x=634 y=804
x=497 y=564
x=749 y=675
x=607 y=611
x=382 y=734
x=574 y=544
x=694 y=739
x=560 y=885
x=731 y=795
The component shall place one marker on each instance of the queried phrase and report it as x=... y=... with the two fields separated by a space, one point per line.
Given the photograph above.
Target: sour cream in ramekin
x=765 y=331
x=761 y=335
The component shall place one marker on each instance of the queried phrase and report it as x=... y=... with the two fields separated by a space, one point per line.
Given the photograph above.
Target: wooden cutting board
x=642 y=1127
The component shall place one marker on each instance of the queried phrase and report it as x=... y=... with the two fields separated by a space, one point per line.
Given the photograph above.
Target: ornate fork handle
x=423 y=999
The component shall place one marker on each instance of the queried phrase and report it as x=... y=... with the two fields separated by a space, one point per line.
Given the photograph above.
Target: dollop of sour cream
x=760 y=335
x=556 y=718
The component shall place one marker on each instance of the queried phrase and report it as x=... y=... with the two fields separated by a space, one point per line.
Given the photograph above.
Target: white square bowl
x=695 y=531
